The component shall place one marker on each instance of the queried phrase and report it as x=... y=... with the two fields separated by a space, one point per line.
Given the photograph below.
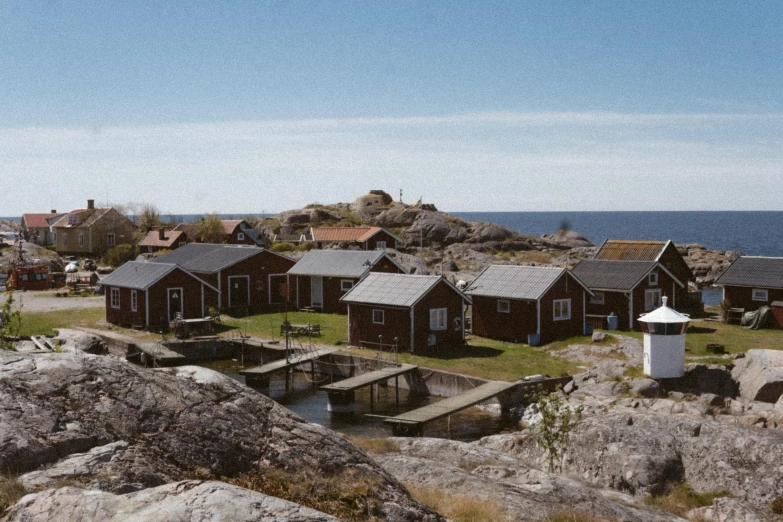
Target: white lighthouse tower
x=664 y=342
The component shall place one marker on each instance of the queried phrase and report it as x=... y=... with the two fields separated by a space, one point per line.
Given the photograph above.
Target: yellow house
x=91 y=231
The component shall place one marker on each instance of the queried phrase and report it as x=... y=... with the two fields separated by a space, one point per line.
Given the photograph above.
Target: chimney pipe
x=54 y=211
x=161 y=233
x=90 y=204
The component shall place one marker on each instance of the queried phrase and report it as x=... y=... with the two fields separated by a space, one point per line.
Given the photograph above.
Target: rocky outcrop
x=77 y=341
x=525 y=493
x=760 y=375
x=181 y=501
x=707 y=265
x=568 y=238
x=436 y=228
x=173 y=421
x=726 y=509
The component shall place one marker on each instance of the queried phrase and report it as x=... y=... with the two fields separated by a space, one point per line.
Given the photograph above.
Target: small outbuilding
x=366 y=238
x=417 y=313
x=528 y=303
x=751 y=282
x=322 y=277
x=149 y=295
x=162 y=239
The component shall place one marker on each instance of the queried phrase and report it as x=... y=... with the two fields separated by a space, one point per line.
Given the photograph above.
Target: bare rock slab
x=760 y=375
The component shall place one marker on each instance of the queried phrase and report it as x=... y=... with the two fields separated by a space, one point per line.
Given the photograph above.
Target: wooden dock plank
x=451 y=405
x=354 y=383
x=281 y=364
x=159 y=351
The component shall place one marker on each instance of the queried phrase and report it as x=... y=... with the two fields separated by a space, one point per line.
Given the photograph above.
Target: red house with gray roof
x=367 y=238
x=751 y=282
x=528 y=303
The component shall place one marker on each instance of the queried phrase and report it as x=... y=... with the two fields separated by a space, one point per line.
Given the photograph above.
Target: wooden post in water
x=397 y=389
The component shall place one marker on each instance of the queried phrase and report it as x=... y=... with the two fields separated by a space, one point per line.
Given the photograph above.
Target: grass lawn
x=44 y=323
x=334 y=327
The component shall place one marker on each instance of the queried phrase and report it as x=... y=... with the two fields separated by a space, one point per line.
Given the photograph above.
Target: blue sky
x=248 y=106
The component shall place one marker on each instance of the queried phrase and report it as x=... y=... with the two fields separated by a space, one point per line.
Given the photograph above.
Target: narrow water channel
x=306 y=400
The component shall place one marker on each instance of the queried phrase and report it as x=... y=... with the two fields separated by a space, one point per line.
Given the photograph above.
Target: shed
x=151 y=294
x=528 y=303
x=322 y=277
x=423 y=313
x=751 y=282
x=367 y=238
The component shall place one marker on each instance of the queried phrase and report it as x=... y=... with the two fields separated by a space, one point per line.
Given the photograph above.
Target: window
x=111 y=239
x=380 y=245
x=65 y=238
x=346 y=284
x=652 y=299
x=377 y=316
x=438 y=319
x=561 y=309
x=598 y=298
x=81 y=239
x=760 y=294
x=240 y=236
x=115 y=297
x=73 y=220
x=504 y=306
x=134 y=301
x=652 y=279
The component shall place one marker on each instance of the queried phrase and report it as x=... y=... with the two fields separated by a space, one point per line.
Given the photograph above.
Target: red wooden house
x=417 y=313
x=528 y=303
x=322 y=277
x=626 y=289
x=236 y=232
x=246 y=276
x=152 y=294
x=162 y=239
x=751 y=282
x=366 y=238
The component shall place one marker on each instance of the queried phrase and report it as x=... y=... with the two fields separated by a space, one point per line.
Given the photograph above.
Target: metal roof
x=169 y=238
x=514 y=281
x=207 y=257
x=630 y=250
x=763 y=272
x=39 y=220
x=391 y=289
x=336 y=263
x=612 y=275
x=138 y=275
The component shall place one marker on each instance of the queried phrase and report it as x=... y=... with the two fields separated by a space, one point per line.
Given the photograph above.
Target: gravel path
x=44 y=301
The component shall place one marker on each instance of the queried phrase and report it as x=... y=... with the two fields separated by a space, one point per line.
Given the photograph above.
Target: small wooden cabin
x=366 y=238
x=528 y=303
x=751 y=282
x=423 y=313
x=246 y=276
x=150 y=295
x=322 y=277
x=626 y=289
x=163 y=239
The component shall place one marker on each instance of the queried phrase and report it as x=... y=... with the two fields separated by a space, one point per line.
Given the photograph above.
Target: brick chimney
x=90 y=204
x=161 y=233
x=54 y=211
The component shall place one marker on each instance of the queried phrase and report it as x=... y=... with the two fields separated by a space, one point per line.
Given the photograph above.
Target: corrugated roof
x=208 y=258
x=342 y=233
x=514 y=282
x=612 y=275
x=390 y=289
x=336 y=263
x=153 y=238
x=764 y=272
x=38 y=220
x=137 y=275
x=630 y=250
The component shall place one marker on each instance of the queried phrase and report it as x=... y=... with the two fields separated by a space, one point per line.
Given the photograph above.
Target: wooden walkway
x=366 y=379
x=413 y=422
x=160 y=353
x=265 y=370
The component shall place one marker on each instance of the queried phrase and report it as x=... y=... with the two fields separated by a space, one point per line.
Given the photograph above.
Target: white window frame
x=240 y=236
x=504 y=306
x=758 y=293
x=111 y=239
x=558 y=314
x=652 y=278
x=81 y=239
x=439 y=319
x=380 y=245
x=598 y=298
x=134 y=301
x=650 y=291
x=114 y=293
x=346 y=284
x=378 y=316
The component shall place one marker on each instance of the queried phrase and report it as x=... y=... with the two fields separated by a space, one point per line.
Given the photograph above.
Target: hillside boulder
x=760 y=375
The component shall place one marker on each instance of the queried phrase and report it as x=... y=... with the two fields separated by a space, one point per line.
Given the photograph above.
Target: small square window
x=598 y=298
x=346 y=284
x=115 y=297
x=380 y=245
x=652 y=279
x=504 y=306
x=377 y=316
x=240 y=236
x=760 y=294
x=561 y=309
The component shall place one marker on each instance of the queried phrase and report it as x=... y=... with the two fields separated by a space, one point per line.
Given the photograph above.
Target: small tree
x=210 y=230
x=10 y=321
x=558 y=419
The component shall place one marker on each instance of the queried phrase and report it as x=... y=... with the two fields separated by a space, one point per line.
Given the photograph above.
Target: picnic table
x=300 y=329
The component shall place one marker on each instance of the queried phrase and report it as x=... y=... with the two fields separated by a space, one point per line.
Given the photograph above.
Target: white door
x=317 y=292
x=652 y=299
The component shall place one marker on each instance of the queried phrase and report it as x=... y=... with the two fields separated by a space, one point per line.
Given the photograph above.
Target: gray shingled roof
x=612 y=275
x=336 y=263
x=764 y=272
x=137 y=275
x=208 y=258
x=514 y=282
x=390 y=289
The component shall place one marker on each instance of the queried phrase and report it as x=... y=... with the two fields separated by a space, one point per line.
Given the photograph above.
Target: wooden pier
x=158 y=354
x=342 y=392
x=412 y=423
x=265 y=370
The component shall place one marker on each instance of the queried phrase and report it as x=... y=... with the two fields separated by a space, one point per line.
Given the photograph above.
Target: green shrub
x=11 y=490
x=283 y=247
x=119 y=255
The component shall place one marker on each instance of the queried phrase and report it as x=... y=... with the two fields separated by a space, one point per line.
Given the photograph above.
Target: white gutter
x=147 y=306
x=412 y=329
